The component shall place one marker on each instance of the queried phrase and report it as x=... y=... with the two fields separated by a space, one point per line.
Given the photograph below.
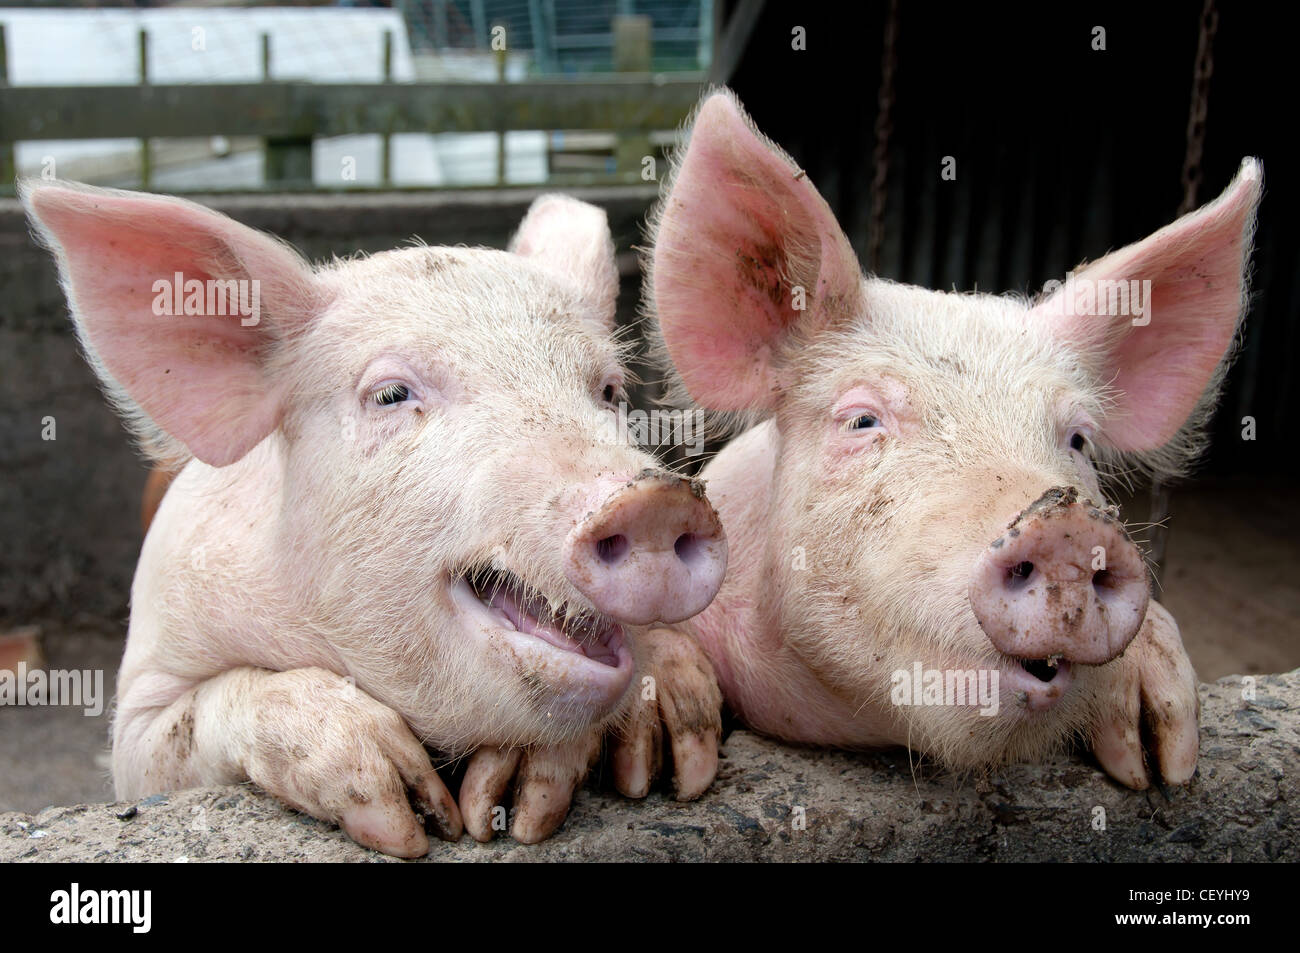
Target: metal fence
x=429 y=93
x=563 y=36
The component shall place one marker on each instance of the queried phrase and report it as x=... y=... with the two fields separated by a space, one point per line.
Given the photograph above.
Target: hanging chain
x=1199 y=107
x=1196 y=114
x=884 y=127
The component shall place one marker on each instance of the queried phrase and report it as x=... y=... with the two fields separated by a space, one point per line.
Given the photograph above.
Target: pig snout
x=1064 y=581
x=653 y=551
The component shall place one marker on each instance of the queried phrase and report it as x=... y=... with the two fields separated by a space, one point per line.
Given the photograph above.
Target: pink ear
x=198 y=377
x=572 y=239
x=1163 y=359
x=742 y=236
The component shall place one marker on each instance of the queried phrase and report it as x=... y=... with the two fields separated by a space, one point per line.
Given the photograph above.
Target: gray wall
x=69 y=508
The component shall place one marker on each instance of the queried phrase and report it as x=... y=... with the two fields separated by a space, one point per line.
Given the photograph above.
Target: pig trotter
x=1153 y=682
x=326 y=748
x=678 y=692
x=545 y=776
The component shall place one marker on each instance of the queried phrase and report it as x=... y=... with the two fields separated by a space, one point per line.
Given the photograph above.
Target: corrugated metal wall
x=1062 y=152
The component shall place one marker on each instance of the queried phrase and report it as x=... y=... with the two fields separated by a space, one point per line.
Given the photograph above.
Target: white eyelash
x=386 y=394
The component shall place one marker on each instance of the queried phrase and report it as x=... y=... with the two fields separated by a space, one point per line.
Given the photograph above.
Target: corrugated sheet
x=1063 y=152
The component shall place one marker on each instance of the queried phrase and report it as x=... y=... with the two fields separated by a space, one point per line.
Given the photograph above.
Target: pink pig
x=919 y=513
x=405 y=518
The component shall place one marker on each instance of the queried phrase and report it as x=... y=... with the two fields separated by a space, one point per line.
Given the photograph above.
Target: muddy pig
x=403 y=520
x=921 y=552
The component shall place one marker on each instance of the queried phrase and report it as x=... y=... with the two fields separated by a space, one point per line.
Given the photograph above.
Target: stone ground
x=857 y=807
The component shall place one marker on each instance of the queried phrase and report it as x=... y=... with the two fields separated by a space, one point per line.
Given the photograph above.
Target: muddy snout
x=1063 y=581
x=653 y=551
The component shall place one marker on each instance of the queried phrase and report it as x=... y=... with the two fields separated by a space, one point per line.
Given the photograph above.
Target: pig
x=920 y=485
x=403 y=521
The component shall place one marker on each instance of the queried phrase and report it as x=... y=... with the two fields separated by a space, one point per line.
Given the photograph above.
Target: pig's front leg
x=1153 y=683
x=677 y=693
x=308 y=737
x=545 y=778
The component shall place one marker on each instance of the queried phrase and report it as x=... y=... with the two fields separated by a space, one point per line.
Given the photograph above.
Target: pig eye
x=608 y=394
x=864 y=422
x=1078 y=442
x=394 y=393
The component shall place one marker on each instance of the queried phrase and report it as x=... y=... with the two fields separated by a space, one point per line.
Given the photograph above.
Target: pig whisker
x=912 y=765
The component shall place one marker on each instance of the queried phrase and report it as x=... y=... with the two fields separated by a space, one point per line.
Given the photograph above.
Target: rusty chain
x=1196 y=115
x=884 y=127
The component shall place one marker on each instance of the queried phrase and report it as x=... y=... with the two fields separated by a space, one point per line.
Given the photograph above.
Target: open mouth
x=1045 y=670
x=571 y=628
x=1037 y=684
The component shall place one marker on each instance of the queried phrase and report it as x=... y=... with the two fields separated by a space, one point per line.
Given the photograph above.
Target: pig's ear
x=572 y=238
x=746 y=252
x=1163 y=361
x=194 y=378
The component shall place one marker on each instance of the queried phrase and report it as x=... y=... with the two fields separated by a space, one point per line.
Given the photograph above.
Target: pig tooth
x=581 y=626
x=1055 y=660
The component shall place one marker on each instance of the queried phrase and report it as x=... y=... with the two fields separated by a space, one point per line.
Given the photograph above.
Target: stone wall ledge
x=858 y=807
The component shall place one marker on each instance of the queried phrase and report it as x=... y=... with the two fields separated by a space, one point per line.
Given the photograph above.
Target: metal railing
x=600 y=127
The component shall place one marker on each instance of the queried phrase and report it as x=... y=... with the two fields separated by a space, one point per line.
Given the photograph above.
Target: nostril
x=1103 y=581
x=1018 y=575
x=687 y=548
x=611 y=549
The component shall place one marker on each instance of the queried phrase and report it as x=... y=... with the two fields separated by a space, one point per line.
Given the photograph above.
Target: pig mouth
x=1036 y=684
x=514 y=605
x=1045 y=670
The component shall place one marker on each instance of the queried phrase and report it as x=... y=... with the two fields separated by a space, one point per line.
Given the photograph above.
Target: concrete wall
x=69 y=507
x=849 y=807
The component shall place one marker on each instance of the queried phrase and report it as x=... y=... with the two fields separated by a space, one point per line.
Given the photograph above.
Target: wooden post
x=146 y=155
x=633 y=43
x=704 y=54
x=386 y=143
x=441 y=34
x=633 y=48
x=8 y=166
x=541 y=25
x=501 y=135
x=288 y=158
x=478 y=21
